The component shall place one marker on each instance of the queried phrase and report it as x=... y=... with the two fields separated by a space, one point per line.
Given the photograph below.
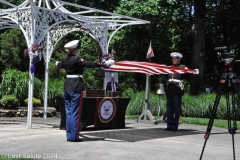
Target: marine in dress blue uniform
x=73 y=87
x=174 y=94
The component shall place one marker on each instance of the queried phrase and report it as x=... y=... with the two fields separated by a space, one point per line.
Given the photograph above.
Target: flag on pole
x=150 y=51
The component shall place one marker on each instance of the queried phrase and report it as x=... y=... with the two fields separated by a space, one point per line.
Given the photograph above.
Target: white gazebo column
x=30 y=96
x=46 y=90
x=47 y=59
x=31 y=74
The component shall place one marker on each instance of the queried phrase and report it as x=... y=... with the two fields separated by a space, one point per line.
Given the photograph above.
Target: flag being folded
x=150 y=51
x=147 y=68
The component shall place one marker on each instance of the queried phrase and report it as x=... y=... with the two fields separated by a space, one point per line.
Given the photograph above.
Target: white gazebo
x=46 y=22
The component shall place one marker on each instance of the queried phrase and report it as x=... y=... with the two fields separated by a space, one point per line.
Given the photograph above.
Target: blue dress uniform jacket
x=74 y=66
x=173 y=88
x=73 y=86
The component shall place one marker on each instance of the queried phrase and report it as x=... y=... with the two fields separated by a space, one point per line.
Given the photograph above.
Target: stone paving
x=138 y=141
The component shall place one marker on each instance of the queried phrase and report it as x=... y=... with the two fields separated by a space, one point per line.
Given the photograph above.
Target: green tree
x=104 y=5
x=12 y=46
x=222 y=29
x=14 y=2
x=93 y=78
x=170 y=30
x=198 y=46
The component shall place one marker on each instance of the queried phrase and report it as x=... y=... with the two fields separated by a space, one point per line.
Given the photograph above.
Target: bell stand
x=160 y=92
x=146 y=116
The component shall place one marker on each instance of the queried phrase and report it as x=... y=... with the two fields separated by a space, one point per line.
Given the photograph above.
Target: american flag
x=150 y=51
x=146 y=68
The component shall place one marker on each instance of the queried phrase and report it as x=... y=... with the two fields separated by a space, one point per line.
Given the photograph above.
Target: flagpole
x=146 y=116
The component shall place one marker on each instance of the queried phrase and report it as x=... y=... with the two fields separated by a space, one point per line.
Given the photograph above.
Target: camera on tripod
x=223 y=55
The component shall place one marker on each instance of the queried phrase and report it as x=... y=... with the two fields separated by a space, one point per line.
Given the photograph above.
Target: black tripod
x=230 y=84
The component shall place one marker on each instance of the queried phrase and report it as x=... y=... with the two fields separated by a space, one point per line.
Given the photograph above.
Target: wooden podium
x=94 y=93
x=100 y=112
x=114 y=94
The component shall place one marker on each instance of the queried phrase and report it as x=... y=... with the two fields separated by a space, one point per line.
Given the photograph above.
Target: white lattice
x=96 y=22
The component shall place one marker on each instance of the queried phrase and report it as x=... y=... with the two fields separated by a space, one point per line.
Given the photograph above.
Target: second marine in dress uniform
x=174 y=94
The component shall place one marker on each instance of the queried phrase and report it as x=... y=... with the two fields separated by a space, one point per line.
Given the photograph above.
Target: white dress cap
x=71 y=45
x=176 y=55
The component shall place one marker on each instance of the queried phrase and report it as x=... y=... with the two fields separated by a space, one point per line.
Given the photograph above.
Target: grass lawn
x=2 y=157
x=198 y=121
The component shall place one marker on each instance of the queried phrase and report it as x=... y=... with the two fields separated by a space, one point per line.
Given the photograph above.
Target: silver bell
x=160 y=89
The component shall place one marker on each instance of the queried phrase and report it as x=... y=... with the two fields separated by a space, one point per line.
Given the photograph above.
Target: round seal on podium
x=106 y=110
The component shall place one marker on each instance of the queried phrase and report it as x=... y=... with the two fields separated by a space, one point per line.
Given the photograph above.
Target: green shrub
x=36 y=102
x=192 y=106
x=9 y=101
x=200 y=106
x=129 y=92
x=55 y=88
x=137 y=104
x=15 y=83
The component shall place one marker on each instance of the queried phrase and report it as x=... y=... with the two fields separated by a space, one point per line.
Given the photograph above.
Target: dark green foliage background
x=170 y=30
x=192 y=106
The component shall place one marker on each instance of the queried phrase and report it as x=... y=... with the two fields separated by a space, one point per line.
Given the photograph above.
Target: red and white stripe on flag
x=150 y=51
x=146 y=67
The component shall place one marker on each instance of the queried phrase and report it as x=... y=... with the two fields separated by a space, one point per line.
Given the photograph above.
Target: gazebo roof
x=52 y=14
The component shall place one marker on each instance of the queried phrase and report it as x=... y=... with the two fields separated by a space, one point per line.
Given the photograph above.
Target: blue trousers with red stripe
x=173 y=111
x=73 y=106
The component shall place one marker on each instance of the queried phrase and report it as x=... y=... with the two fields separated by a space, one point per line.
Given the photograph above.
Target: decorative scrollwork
x=112 y=25
x=39 y=20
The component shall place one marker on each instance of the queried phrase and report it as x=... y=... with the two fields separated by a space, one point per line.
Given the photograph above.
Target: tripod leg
x=213 y=113
x=232 y=124
x=233 y=146
x=231 y=115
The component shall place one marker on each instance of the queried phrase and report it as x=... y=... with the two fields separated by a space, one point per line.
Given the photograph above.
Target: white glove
x=110 y=62
x=56 y=63
x=196 y=71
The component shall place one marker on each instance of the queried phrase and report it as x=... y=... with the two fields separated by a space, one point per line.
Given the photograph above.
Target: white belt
x=175 y=80
x=75 y=76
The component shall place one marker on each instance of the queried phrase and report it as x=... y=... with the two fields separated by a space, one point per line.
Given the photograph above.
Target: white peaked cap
x=112 y=75
x=71 y=45
x=176 y=54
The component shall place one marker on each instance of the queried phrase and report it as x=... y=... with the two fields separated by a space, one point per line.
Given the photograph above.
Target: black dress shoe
x=174 y=130
x=167 y=129
x=77 y=140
